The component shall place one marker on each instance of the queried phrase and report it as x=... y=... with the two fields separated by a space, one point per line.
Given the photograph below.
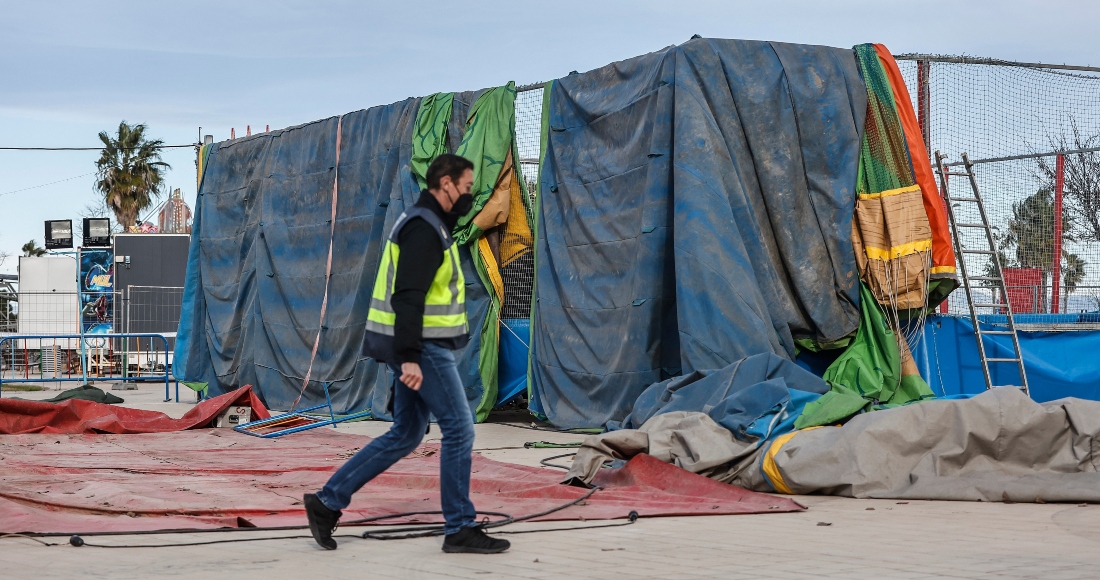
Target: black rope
x=425 y=531
x=401 y=533
x=191 y=145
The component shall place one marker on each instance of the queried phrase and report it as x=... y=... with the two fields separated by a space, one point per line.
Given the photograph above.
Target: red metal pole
x=1059 y=185
x=923 y=96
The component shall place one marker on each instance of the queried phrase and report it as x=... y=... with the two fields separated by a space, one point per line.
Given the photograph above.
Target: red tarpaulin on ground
x=77 y=416
x=219 y=478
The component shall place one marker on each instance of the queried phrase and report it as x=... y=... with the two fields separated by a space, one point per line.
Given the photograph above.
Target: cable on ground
x=407 y=532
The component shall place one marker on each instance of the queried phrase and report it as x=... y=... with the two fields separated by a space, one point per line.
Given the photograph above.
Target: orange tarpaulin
x=943 y=256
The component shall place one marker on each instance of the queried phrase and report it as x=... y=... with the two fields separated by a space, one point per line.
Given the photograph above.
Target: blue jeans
x=441 y=394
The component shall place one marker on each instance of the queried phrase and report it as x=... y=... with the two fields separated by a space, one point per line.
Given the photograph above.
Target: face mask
x=462 y=205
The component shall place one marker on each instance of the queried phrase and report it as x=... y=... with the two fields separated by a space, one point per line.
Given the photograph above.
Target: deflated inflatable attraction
x=724 y=236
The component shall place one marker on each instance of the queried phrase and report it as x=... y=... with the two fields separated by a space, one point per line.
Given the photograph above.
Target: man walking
x=417 y=318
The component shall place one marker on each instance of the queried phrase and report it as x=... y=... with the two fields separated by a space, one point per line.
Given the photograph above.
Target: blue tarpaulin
x=696 y=209
x=1058 y=364
x=515 y=336
x=756 y=397
x=256 y=269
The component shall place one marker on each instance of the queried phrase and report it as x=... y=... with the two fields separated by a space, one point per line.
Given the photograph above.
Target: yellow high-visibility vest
x=445 y=303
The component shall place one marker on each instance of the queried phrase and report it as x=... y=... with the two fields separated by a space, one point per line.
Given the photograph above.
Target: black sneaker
x=474 y=541
x=322 y=521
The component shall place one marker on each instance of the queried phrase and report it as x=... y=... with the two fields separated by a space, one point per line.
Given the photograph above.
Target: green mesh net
x=884 y=157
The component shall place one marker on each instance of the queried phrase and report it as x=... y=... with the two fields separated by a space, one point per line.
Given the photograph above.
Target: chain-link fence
x=1013 y=119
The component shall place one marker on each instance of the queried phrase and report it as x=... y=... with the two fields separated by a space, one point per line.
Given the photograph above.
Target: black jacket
x=421 y=256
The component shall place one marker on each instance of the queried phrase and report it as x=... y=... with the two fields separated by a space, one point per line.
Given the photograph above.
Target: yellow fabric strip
x=943 y=270
x=898 y=251
x=889 y=192
x=491 y=267
x=771 y=469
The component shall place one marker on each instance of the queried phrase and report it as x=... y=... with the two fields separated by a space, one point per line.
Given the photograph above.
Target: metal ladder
x=997 y=279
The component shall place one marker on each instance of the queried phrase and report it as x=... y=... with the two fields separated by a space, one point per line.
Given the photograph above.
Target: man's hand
x=411 y=376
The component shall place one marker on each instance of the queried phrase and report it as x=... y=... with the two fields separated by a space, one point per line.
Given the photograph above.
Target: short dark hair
x=447 y=164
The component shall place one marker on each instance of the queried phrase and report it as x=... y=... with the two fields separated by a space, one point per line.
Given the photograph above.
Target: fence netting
x=992 y=110
x=519 y=274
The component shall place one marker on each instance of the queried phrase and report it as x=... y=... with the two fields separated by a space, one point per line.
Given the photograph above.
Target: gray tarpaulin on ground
x=696 y=208
x=256 y=270
x=685 y=439
x=998 y=446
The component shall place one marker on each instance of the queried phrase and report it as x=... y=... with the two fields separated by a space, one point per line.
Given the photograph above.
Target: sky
x=70 y=69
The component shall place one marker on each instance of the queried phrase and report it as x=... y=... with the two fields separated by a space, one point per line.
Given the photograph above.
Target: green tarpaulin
x=867 y=375
x=490 y=135
x=84 y=393
x=430 y=133
x=488 y=138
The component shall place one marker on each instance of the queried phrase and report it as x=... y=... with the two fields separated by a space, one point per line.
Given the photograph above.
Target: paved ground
x=865 y=539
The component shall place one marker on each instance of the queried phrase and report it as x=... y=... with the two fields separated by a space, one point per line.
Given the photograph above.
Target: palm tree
x=130 y=173
x=31 y=249
x=1072 y=275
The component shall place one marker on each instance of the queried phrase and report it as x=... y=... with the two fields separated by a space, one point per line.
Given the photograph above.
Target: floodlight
x=97 y=233
x=59 y=234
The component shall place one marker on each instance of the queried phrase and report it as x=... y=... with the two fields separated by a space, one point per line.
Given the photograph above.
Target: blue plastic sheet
x=515 y=335
x=1058 y=364
x=256 y=268
x=750 y=397
x=696 y=209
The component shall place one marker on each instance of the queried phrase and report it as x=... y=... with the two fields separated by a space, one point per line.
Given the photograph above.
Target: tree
x=96 y=209
x=1072 y=275
x=129 y=172
x=31 y=249
x=991 y=271
x=1031 y=233
x=1081 y=178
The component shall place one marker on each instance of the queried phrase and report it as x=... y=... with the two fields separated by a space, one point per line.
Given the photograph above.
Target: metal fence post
x=1059 y=185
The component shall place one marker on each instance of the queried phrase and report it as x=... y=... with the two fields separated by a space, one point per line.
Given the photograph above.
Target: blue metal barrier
x=84 y=359
x=295 y=421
